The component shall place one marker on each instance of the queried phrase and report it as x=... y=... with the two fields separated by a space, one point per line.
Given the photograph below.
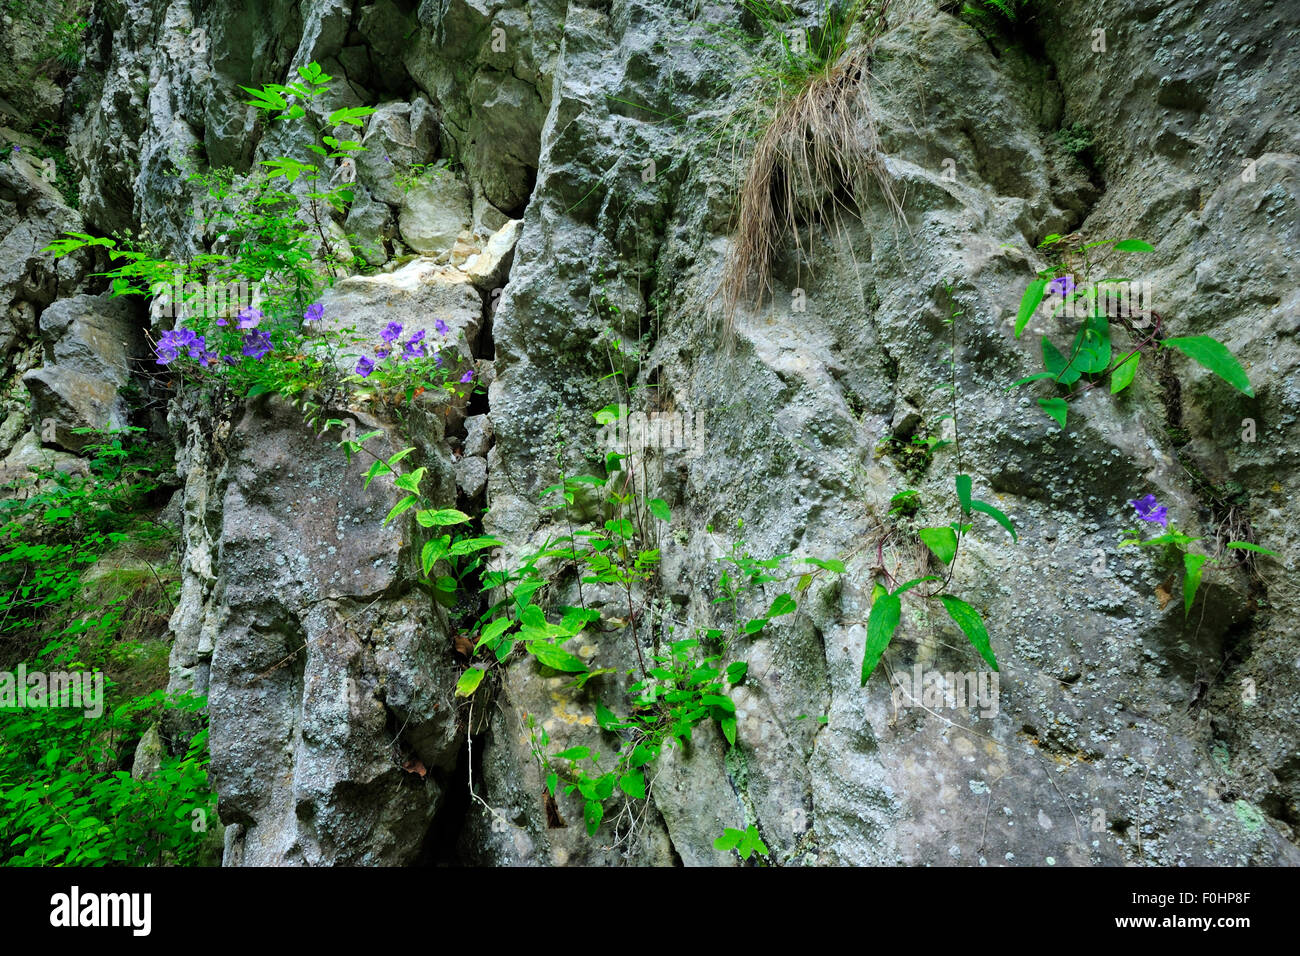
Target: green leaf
x=942 y=541
x=903 y=589
x=729 y=840
x=784 y=604
x=557 y=658
x=1055 y=407
x=728 y=725
x=659 y=508
x=432 y=552
x=886 y=611
x=985 y=508
x=633 y=784
x=400 y=507
x=1091 y=347
x=1064 y=372
x=1192 y=567
x=1134 y=245
x=1030 y=378
x=832 y=565
x=968 y=619
x=469 y=681
x=574 y=753
x=592 y=812
x=494 y=630
x=1215 y=356
x=755 y=625
x=1122 y=377
x=608 y=414
x=605 y=718
x=963 y=492
x=431 y=518
x=470 y=545
x=721 y=701
x=1029 y=303
x=1247 y=546
x=350 y=115
x=736 y=672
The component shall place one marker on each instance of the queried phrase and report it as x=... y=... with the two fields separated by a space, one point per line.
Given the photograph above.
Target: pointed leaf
x=469 y=681
x=985 y=508
x=942 y=541
x=963 y=492
x=1029 y=303
x=1122 y=377
x=1192 y=567
x=883 y=621
x=1215 y=356
x=1055 y=407
x=968 y=619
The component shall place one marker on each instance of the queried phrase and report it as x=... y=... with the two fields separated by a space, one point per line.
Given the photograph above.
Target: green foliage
x=66 y=795
x=1076 y=139
x=66 y=798
x=1093 y=356
x=745 y=842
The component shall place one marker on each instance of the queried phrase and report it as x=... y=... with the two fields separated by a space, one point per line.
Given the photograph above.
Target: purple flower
x=221 y=320
x=468 y=376
x=229 y=359
x=382 y=353
x=248 y=318
x=1149 y=509
x=1062 y=286
x=197 y=346
x=257 y=344
x=313 y=313
x=413 y=348
x=437 y=359
x=441 y=326
x=173 y=341
x=392 y=332
x=365 y=367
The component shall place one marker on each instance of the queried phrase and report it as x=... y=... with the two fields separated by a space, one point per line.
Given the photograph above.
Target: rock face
x=581 y=217
x=92 y=346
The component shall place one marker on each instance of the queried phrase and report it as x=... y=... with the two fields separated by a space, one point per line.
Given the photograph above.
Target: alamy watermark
x=184 y=300
x=633 y=432
x=83 y=690
x=934 y=689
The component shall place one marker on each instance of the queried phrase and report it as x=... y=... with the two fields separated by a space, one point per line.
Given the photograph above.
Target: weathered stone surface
x=435 y=211
x=471 y=475
x=328 y=686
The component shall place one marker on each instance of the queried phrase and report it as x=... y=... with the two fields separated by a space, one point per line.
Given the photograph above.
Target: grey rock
x=478 y=435
x=471 y=475
x=434 y=213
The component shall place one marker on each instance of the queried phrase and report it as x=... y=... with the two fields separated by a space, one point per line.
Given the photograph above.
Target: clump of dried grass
x=814 y=158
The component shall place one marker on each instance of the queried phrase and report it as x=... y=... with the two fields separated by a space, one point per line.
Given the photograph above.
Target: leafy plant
x=1092 y=358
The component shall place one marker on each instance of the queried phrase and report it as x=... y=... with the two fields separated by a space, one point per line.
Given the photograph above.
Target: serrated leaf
x=886 y=611
x=659 y=508
x=784 y=604
x=971 y=624
x=942 y=541
x=736 y=672
x=592 y=813
x=470 y=545
x=728 y=725
x=1134 y=245
x=574 y=753
x=434 y=518
x=755 y=625
x=431 y=553
x=633 y=784
x=1029 y=303
x=605 y=718
x=1215 y=356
